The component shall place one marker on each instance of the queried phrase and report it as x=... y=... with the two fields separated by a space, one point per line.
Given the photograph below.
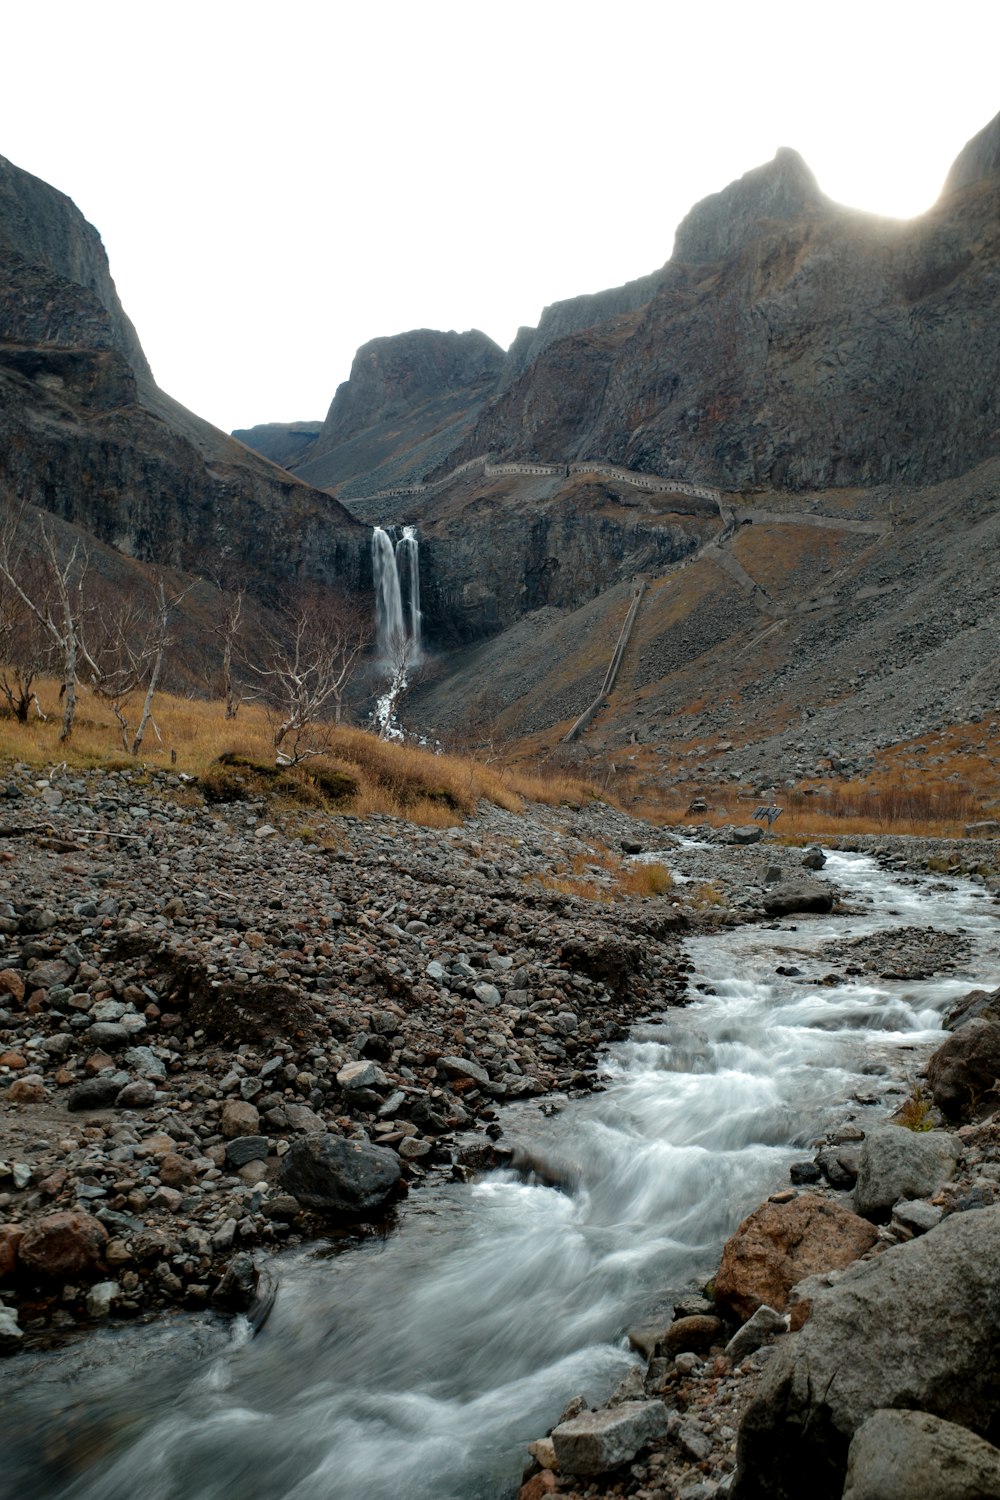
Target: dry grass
x=598 y=875
x=232 y=759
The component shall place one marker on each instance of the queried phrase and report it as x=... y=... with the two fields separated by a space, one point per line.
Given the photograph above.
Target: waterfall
x=396 y=571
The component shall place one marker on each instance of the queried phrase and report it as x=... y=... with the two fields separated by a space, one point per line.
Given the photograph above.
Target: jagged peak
x=977 y=159
x=783 y=188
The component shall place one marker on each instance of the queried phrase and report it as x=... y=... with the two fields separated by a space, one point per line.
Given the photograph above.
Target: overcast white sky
x=277 y=183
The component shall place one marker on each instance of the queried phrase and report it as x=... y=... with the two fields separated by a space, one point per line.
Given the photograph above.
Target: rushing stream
x=421 y=1364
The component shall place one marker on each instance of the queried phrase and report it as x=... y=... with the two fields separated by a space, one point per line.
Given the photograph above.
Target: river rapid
x=420 y=1364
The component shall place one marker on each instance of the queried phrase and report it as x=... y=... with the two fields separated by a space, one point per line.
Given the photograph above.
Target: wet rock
x=597 y=1441
x=897 y=1163
x=813 y=859
x=11 y=1335
x=781 y=1243
x=964 y=1070
x=246 y=1148
x=897 y=1455
x=237 y=1289
x=331 y=1174
x=64 y=1245
x=866 y=1346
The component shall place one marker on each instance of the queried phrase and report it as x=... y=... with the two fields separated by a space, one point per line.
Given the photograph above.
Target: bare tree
x=127 y=658
x=57 y=606
x=228 y=631
x=25 y=648
x=307 y=662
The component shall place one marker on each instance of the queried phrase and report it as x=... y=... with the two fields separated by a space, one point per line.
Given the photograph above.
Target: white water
x=396 y=575
x=421 y=1365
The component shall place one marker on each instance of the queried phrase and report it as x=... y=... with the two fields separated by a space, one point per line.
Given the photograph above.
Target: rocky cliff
x=87 y=435
x=284 y=443
x=408 y=403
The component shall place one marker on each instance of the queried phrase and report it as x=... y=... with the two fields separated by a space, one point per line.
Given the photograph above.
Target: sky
x=276 y=184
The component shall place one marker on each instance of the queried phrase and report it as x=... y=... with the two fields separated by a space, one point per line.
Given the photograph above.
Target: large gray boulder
x=798 y=895
x=599 y=1440
x=919 y=1327
x=964 y=1069
x=899 y=1455
x=335 y=1175
x=898 y=1164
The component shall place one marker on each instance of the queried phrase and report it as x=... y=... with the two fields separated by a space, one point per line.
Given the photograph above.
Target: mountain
x=86 y=434
x=409 y=402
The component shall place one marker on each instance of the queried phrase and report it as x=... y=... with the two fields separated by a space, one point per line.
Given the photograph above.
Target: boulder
x=780 y=1244
x=599 y=1440
x=11 y=1236
x=918 y=1326
x=975 y=1003
x=897 y=1455
x=335 y=1175
x=798 y=895
x=763 y=1328
x=751 y=834
x=462 y=1067
x=96 y=1093
x=28 y=1089
x=964 y=1069
x=692 y=1335
x=64 y=1246
x=238 y=1118
x=899 y=1164
x=361 y=1075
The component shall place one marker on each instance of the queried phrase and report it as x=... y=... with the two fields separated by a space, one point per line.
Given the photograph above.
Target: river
x=420 y=1364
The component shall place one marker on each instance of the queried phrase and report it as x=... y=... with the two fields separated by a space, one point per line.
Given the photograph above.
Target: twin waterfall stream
x=419 y=1365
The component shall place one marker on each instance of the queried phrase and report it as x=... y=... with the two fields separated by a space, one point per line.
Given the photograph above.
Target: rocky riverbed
x=197 y=1001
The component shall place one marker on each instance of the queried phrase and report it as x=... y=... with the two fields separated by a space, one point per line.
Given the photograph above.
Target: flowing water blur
x=421 y=1364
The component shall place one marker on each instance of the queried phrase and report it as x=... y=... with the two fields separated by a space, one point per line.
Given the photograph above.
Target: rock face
x=334 y=1175
x=824 y=320
x=897 y=1455
x=868 y=1346
x=86 y=434
x=779 y=1244
x=898 y=1164
x=416 y=391
x=964 y=1070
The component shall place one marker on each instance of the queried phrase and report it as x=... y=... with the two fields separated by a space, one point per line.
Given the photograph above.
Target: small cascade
x=396 y=572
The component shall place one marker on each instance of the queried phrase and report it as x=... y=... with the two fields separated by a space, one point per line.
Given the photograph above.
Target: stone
x=238 y=1118
x=696 y=1333
x=64 y=1246
x=10 y=1333
x=246 y=1148
x=813 y=859
x=96 y=1093
x=963 y=1072
x=28 y=1089
x=335 y=1175
x=917 y=1326
x=916 y=1215
x=100 y=1298
x=798 y=896
x=462 y=1067
x=597 y=1441
x=487 y=994
x=108 y=1035
x=138 y=1095
x=751 y=834
x=11 y=1236
x=363 y=1074
x=897 y=1163
x=301 y=1117
x=761 y=1329
x=12 y=984
x=781 y=1243
x=898 y=1455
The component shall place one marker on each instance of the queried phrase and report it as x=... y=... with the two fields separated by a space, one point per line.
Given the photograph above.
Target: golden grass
x=357 y=773
x=598 y=875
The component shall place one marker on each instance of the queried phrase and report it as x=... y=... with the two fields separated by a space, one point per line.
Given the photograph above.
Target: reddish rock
x=64 y=1246
x=782 y=1243
x=692 y=1335
x=544 y=1483
x=52 y=1185
x=97 y=1062
x=28 y=1089
x=12 y=984
x=175 y=1171
x=11 y=1236
x=64 y=1077
x=12 y=1060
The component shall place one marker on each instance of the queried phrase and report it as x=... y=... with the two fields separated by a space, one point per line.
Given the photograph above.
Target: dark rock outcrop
x=334 y=1175
x=284 y=443
x=964 y=1072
